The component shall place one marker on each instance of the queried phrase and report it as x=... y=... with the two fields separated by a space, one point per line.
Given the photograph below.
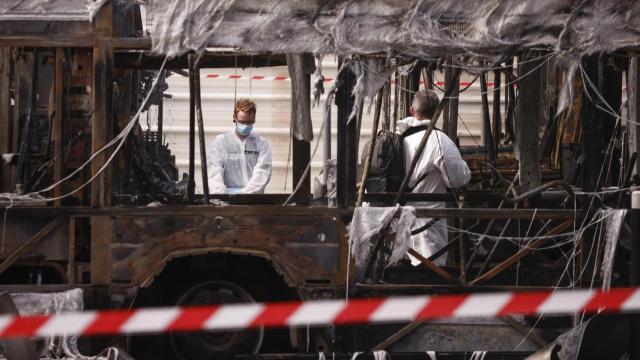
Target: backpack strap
x=416 y=129
x=422 y=177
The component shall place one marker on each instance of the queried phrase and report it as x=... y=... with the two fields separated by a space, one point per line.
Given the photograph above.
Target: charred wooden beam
x=191 y=185
x=497 y=118
x=47 y=41
x=34 y=240
x=346 y=139
x=102 y=119
x=487 y=137
x=58 y=159
x=450 y=115
x=300 y=67
x=432 y=266
x=242 y=210
x=633 y=127
x=24 y=112
x=5 y=115
x=530 y=247
x=201 y=137
x=528 y=119
x=370 y=148
x=144 y=60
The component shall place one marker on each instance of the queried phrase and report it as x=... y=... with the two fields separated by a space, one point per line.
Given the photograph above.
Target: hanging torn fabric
x=368 y=222
x=380 y=355
x=614 y=219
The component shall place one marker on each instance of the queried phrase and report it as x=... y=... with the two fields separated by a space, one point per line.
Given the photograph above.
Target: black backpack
x=387 y=164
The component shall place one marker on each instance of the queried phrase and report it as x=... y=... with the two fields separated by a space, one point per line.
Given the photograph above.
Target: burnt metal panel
x=304 y=248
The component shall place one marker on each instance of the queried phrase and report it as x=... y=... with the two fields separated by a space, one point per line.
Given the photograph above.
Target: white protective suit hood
x=445 y=168
x=237 y=166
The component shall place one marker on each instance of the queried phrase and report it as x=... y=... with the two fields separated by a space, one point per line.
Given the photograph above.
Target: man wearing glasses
x=239 y=161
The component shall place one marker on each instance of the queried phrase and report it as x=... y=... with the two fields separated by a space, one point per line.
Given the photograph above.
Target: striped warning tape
x=318 y=313
x=286 y=78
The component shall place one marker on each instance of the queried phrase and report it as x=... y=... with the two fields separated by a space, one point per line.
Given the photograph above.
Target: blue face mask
x=243 y=129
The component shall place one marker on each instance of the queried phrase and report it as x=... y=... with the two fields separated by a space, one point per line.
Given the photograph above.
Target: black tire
x=215 y=344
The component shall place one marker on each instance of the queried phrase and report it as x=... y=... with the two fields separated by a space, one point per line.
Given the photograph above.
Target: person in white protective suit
x=440 y=167
x=239 y=161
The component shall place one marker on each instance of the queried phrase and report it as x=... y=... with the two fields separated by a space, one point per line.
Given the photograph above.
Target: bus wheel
x=215 y=344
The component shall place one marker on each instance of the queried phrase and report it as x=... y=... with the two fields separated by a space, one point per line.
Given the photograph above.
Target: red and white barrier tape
x=317 y=313
x=286 y=78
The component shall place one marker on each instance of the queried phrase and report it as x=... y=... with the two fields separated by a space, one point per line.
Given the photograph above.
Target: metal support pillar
x=102 y=121
x=347 y=153
x=301 y=149
x=633 y=86
x=527 y=121
x=5 y=115
x=201 y=137
x=57 y=125
x=191 y=185
x=635 y=270
x=101 y=129
x=450 y=115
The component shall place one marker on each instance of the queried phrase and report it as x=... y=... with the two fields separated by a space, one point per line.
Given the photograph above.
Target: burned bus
x=92 y=198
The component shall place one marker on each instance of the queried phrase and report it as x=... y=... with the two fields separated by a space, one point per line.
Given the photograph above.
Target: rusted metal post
x=450 y=126
x=5 y=115
x=386 y=106
x=71 y=249
x=101 y=127
x=529 y=110
x=29 y=114
x=102 y=122
x=372 y=144
x=191 y=185
x=635 y=269
x=201 y=137
x=633 y=86
x=487 y=137
x=497 y=118
x=57 y=124
x=347 y=153
x=160 y=128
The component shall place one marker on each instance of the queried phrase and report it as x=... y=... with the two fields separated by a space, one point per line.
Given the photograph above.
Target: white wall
x=273 y=99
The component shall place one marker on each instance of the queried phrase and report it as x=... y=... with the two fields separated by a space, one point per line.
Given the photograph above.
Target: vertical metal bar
x=101 y=127
x=5 y=115
x=487 y=138
x=57 y=124
x=71 y=248
x=191 y=185
x=26 y=129
x=396 y=97
x=347 y=154
x=386 y=106
x=301 y=149
x=102 y=120
x=201 y=138
x=372 y=144
x=454 y=103
x=326 y=153
x=160 y=129
x=635 y=270
x=633 y=86
x=497 y=118
x=527 y=121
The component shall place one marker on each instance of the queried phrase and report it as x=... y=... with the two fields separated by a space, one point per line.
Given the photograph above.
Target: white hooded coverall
x=445 y=168
x=237 y=166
